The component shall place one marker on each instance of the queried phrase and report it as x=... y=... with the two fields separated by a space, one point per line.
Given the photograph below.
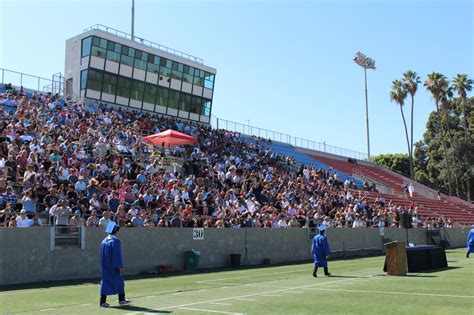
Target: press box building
x=108 y=66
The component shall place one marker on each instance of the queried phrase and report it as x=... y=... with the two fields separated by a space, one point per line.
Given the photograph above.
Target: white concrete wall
x=152 y=77
x=25 y=254
x=139 y=74
x=197 y=90
x=112 y=66
x=73 y=63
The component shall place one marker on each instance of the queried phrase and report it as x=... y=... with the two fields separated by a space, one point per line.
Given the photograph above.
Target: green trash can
x=191 y=260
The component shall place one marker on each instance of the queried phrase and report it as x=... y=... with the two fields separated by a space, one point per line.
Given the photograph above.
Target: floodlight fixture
x=366 y=63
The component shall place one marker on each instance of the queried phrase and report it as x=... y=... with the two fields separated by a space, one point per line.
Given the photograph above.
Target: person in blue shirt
x=111 y=264
x=470 y=241
x=320 y=250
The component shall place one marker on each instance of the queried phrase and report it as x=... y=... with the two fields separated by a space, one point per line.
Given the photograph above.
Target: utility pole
x=133 y=20
x=366 y=63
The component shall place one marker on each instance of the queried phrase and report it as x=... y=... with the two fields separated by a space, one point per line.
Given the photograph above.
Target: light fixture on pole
x=248 y=126
x=133 y=19
x=366 y=63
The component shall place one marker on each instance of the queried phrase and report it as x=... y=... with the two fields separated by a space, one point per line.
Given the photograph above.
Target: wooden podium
x=396 y=258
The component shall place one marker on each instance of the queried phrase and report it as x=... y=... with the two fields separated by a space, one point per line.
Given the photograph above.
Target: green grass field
x=358 y=286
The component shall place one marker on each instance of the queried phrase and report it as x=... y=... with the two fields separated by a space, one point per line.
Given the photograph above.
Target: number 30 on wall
x=198 y=234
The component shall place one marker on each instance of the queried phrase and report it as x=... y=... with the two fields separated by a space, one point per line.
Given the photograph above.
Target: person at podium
x=320 y=250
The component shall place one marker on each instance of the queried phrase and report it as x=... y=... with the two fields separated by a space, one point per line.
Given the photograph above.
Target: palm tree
x=410 y=83
x=434 y=84
x=398 y=94
x=446 y=105
x=461 y=85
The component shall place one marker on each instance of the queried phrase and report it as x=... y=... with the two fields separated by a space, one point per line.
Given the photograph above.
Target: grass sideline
x=358 y=287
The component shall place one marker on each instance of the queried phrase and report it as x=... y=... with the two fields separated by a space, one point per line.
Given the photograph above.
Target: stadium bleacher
x=226 y=180
x=301 y=158
x=428 y=204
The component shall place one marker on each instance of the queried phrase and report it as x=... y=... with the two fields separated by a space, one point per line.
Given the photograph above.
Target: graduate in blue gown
x=470 y=241
x=320 y=250
x=111 y=265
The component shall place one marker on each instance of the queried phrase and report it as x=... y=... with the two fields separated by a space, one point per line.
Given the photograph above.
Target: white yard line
x=259 y=294
x=226 y=284
x=268 y=286
x=244 y=299
x=207 y=311
x=47 y=309
x=392 y=292
x=278 y=273
x=219 y=303
x=81 y=286
x=271 y=295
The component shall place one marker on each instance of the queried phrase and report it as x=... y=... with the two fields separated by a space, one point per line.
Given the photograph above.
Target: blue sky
x=284 y=65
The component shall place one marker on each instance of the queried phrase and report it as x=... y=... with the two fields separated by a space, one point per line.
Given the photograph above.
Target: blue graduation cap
x=322 y=228
x=110 y=227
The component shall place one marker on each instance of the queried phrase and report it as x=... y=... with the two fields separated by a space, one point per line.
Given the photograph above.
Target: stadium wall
x=25 y=254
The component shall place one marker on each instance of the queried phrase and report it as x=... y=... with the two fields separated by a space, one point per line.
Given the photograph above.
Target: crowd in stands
x=68 y=164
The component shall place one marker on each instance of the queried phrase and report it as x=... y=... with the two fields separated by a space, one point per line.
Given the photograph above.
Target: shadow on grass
x=175 y=273
x=441 y=269
x=430 y=273
x=339 y=276
x=134 y=308
x=149 y=275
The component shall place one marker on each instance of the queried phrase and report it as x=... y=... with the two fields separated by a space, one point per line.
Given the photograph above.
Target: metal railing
x=57 y=84
x=30 y=81
x=246 y=129
x=145 y=42
x=69 y=231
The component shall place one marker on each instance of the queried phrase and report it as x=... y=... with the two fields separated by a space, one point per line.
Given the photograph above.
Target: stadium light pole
x=248 y=125
x=133 y=20
x=366 y=63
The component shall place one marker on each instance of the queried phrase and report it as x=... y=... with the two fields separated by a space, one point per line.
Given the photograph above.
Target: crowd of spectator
x=68 y=164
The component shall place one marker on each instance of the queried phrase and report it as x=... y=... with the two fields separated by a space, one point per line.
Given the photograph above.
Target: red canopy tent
x=171 y=138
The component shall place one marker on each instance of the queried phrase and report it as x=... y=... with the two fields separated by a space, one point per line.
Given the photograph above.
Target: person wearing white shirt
x=282 y=223
x=250 y=205
x=22 y=221
x=26 y=138
x=326 y=223
x=346 y=184
x=30 y=171
x=80 y=184
x=150 y=169
x=357 y=223
x=34 y=146
x=184 y=195
x=381 y=223
x=306 y=173
x=104 y=221
x=103 y=167
x=411 y=189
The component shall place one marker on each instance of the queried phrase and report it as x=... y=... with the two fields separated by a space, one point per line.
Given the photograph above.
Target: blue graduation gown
x=320 y=250
x=110 y=260
x=470 y=241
